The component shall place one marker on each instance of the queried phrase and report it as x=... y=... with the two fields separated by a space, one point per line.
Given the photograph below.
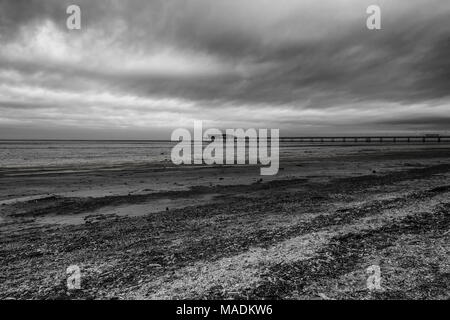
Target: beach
x=141 y=229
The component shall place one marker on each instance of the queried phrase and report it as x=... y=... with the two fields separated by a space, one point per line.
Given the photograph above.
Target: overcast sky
x=139 y=68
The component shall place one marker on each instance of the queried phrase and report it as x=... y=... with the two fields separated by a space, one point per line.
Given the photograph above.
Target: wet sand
x=164 y=232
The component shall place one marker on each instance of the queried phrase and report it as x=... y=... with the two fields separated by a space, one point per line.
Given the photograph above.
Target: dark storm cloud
x=310 y=61
x=17 y=13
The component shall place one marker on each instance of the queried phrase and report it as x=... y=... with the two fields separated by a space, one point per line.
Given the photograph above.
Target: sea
x=76 y=153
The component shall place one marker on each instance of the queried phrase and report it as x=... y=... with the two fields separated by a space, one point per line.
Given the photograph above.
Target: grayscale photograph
x=225 y=150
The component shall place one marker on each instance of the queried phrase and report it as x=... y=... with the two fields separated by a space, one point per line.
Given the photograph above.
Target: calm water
x=69 y=153
x=14 y=154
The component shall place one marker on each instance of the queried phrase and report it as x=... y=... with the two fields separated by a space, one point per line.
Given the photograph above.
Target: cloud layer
x=138 y=69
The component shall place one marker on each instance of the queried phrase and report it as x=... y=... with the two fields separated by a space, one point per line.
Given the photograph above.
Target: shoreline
x=229 y=233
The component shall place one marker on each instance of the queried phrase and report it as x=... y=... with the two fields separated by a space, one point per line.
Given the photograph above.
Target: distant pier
x=428 y=138
x=368 y=139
